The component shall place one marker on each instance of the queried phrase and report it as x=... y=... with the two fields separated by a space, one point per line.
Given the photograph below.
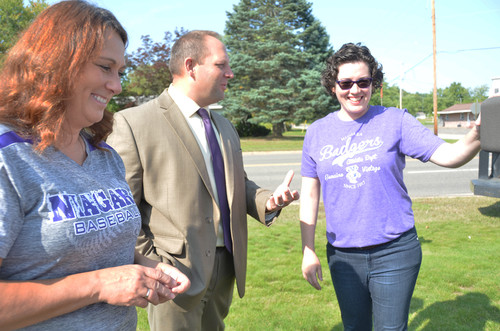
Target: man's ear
x=189 y=66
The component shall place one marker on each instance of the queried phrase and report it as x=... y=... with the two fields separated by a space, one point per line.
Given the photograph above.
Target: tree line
x=423 y=102
x=277 y=51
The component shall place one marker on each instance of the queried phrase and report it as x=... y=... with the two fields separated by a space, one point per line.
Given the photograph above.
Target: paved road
x=422 y=179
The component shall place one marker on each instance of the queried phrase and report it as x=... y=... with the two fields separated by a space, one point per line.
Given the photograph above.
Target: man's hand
x=282 y=196
x=180 y=281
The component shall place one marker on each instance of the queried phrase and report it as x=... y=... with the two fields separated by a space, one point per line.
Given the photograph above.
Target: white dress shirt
x=189 y=109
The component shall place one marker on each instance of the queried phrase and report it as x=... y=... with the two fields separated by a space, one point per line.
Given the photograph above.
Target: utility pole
x=400 y=94
x=401 y=86
x=434 y=58
x=382 y=94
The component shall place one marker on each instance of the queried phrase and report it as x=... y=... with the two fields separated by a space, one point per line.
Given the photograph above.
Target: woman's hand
x=311 y=268
x=134 y=285
x=454 y=155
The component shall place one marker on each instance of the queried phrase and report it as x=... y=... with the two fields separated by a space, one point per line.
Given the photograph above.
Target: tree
x=277 y=49
x=456 y=94
x=148 y=73
x=423 y=102
x=479 y=93
x=14 y=18
x=390 y=96
x=418 y=102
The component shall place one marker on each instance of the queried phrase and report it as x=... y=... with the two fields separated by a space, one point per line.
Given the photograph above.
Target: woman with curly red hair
x=68 y=222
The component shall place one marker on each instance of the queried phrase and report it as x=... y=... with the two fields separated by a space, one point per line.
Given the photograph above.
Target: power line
x=443 y=52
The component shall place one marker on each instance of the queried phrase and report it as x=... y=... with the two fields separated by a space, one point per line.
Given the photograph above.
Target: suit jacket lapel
x=178 y=124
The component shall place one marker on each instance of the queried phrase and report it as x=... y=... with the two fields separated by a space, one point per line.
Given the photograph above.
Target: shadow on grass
x=416 y=304
x=470 y=311
x=338 y=327
x=423 y=240
x=492 y=211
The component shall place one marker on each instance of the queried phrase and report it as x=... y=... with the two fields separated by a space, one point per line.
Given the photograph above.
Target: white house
x=495 y=87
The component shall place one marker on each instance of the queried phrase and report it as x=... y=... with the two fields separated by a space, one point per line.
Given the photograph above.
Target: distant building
x=132 y=101
x=495 y=87
x=459 y=115
x=216 y=107
x=420 y=115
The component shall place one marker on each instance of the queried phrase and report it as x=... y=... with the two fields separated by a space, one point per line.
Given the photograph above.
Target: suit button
x=209 y=220
x=208 y=252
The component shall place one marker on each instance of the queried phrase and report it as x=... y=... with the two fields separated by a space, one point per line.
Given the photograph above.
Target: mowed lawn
x=458 y=287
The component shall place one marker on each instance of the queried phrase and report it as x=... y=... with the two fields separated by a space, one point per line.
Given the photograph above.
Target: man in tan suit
x=168 y=159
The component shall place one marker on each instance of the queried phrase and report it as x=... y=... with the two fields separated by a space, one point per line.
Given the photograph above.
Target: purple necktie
x=220 y=179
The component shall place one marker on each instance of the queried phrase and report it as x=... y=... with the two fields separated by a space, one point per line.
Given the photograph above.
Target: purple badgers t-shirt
x=360 y=167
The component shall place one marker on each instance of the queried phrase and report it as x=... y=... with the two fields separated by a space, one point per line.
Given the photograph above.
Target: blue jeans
x=376 y=282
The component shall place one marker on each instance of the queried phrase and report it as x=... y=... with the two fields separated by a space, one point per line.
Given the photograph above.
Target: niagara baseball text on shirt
x=93 y=204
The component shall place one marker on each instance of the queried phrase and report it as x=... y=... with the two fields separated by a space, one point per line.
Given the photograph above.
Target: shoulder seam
x=10 y=137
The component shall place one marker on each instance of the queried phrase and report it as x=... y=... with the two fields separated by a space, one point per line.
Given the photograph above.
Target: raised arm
x=459 y=153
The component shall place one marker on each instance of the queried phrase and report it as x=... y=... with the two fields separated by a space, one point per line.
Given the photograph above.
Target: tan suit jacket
x=169 y=180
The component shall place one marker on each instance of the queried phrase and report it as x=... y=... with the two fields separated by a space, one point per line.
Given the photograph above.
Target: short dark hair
x=191 y=44
x=350 y=53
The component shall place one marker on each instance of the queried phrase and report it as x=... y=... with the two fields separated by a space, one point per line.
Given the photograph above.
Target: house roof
x=460 y=106
x=457 y=109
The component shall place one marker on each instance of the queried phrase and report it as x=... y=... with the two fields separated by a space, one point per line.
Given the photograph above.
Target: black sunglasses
x=347 y=84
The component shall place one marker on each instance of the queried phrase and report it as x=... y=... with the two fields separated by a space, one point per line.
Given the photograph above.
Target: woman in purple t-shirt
x=356 y=156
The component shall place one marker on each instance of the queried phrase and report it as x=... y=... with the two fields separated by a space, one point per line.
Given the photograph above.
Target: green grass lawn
x=291 y=141
x=458 y=287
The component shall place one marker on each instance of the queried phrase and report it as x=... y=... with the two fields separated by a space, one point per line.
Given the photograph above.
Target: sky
x=397 y=32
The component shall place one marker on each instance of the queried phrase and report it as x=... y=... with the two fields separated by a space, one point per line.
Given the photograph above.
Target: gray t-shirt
x=58 y=218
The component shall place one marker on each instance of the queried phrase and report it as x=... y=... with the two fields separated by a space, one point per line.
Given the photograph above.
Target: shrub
x=247 y=129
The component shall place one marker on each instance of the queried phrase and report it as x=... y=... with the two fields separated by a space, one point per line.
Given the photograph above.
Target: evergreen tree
x=277 y=49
